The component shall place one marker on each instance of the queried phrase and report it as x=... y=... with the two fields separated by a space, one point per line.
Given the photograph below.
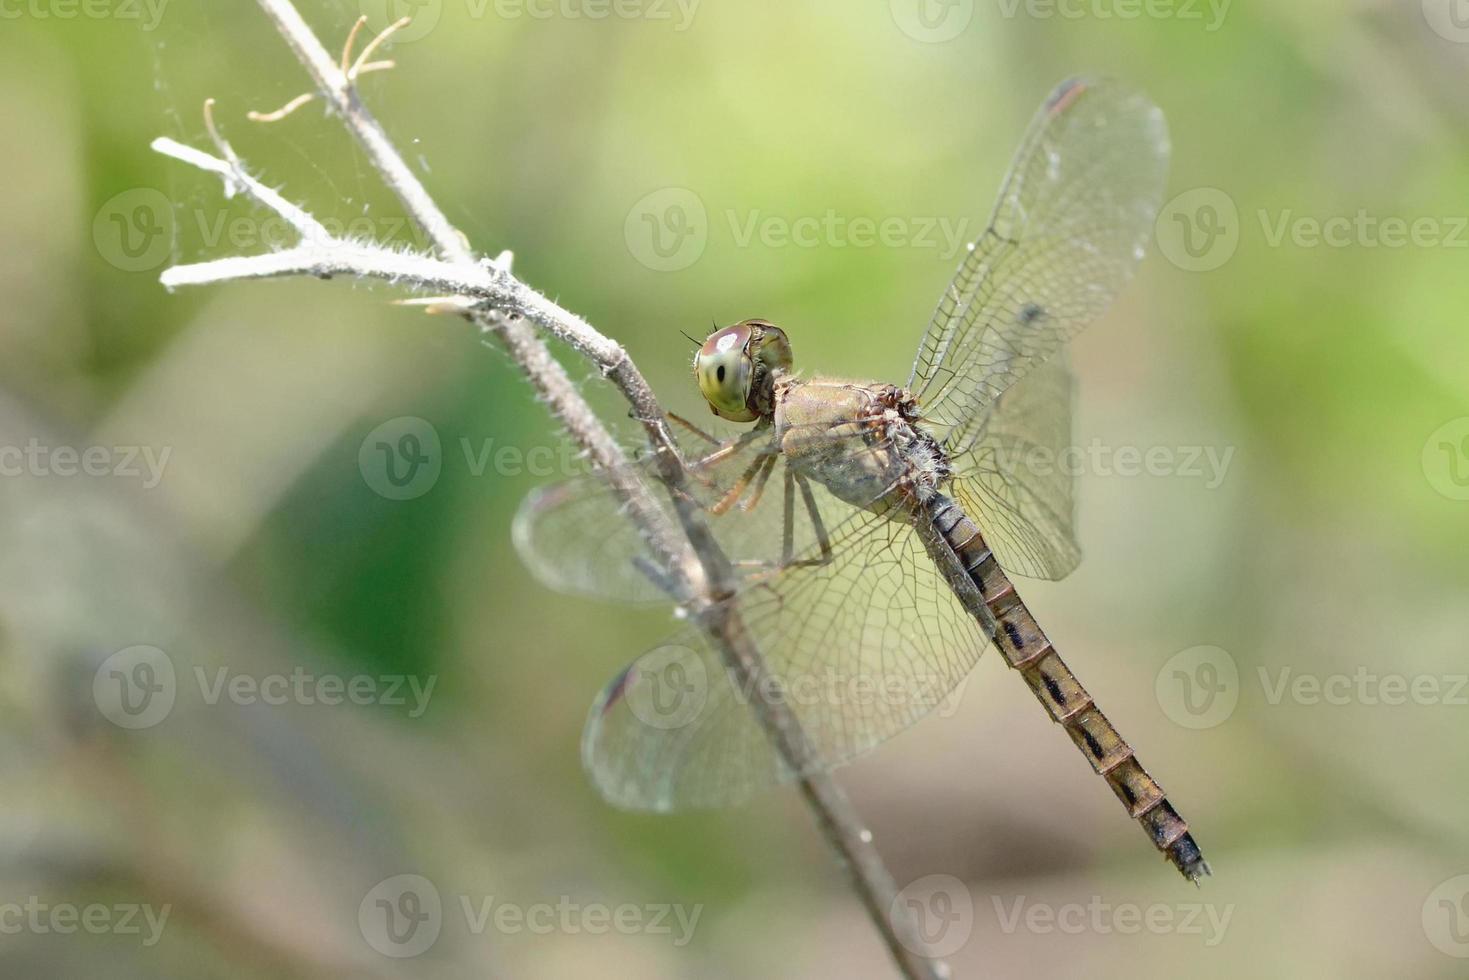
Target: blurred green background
x=1327 y=368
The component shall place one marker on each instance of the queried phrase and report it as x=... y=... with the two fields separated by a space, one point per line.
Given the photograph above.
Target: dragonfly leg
x=788 y=531
x=822 y=540
x=692 y=428
x=735 y=492
x=768 y=570
x=728 y=449
x=760 y=480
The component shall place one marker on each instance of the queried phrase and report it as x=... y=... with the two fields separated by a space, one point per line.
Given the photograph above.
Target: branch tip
x=367 y=52
x=351 y=41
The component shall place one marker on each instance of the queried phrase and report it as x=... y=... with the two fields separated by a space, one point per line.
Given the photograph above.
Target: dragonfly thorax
x=863 y=442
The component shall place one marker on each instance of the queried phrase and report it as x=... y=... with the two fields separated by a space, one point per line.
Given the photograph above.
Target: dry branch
x=486 y=292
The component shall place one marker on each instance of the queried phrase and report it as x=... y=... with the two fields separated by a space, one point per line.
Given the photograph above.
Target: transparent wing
x=1071 y=223
x=575 y=538
x=862 y=646
x=1017 y=480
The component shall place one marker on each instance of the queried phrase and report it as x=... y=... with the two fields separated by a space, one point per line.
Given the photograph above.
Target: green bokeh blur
x=1301 y=319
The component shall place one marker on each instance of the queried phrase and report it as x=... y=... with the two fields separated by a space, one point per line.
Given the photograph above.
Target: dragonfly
x=873 y=528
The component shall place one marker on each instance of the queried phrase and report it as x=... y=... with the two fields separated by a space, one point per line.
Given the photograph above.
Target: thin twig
x=350 y=71
x=703 y=572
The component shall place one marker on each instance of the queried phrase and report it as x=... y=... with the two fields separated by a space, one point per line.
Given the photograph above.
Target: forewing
x=1074 y=214
x=861 y=647
x=1017 y=479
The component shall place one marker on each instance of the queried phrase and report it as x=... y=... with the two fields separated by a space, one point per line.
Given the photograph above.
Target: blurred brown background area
x=192 y=527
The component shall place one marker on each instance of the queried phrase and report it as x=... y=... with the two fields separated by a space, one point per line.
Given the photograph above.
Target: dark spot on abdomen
x=1013 y=634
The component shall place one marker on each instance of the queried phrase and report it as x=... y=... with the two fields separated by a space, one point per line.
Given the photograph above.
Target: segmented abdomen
x=1028 y=650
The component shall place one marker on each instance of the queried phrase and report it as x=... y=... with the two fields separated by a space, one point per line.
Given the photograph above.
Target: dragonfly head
x=737 y=366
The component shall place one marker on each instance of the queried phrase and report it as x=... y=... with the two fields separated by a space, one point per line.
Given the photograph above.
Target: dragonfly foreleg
x=738 y=490
x=692 y=428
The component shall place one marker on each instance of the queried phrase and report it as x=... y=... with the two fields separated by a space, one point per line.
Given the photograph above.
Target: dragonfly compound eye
x=724 y=369
x=737 y=366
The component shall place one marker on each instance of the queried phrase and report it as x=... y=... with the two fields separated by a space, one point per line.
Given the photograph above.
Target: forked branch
x=487 y=293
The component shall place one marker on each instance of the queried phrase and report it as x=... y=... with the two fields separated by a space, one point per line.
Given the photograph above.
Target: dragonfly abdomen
x=1027 y=649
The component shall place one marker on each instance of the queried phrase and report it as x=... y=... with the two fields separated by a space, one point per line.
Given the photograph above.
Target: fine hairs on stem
x=487 y=293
